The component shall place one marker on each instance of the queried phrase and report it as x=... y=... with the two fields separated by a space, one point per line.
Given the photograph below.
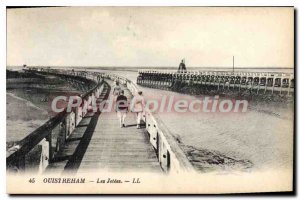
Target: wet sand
x=27 y=108
x=22 y=117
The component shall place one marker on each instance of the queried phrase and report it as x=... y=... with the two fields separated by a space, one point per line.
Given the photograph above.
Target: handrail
x=34 y=138
x=258 y=82
x=170 y=155
x=218 y=72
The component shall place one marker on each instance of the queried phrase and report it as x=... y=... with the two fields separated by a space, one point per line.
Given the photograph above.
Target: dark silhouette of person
x=182 y=67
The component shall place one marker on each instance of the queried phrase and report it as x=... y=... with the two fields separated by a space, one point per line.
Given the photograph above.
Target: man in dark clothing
x=182 y=67
x=122 y=108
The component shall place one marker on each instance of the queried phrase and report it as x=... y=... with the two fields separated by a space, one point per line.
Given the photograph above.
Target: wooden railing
x=51 y=136
x=170 y=156
x=257 y=82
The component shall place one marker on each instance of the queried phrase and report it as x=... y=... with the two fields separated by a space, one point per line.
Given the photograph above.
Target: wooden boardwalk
x=98 y=143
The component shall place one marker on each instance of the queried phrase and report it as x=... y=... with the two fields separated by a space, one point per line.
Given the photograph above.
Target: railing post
x=68 y=125
x=50 y=151
x=266 y=84
x=163 y=155
x=97 y=93
x=152 y=130
x=289 y=86
x=251 y=87
x=21 y=164
x=72 y=122
x=46 y=155
x=258 y=84
x=240 y=84
x=84 y=108
x=273 y=84
x=281 y=82
x=78 y=115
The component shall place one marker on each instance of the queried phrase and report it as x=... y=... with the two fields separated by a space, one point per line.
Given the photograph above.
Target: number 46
x=32 y=180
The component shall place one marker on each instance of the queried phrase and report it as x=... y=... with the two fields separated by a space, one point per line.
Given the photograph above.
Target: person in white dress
x=137 y=107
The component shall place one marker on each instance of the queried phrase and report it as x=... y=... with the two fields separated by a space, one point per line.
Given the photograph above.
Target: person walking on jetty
x=122 y=108
x=137 y=106
x=117 y=89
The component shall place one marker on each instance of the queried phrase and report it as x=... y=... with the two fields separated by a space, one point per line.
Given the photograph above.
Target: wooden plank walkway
x=98 y=143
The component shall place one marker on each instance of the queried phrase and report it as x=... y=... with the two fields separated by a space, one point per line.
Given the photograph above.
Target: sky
x=152 y=36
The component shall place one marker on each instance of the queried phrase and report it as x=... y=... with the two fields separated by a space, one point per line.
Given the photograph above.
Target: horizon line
x=134 y=66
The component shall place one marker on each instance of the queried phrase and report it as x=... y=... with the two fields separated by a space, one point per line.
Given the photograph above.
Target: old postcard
x=150 y=100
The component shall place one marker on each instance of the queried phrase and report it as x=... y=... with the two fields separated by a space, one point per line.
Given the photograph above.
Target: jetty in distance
x=259 y=82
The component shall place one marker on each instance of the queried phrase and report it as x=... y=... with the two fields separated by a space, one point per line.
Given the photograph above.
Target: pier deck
x=98 y=143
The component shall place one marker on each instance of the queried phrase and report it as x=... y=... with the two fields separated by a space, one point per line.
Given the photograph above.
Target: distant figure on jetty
x=117 y=89
x=182 y=67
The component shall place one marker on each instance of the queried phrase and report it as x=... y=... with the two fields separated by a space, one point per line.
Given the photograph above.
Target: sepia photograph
x=150 y=100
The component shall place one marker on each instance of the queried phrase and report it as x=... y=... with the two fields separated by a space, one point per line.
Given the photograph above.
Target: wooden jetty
x=79 y=141
x=256 y=82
